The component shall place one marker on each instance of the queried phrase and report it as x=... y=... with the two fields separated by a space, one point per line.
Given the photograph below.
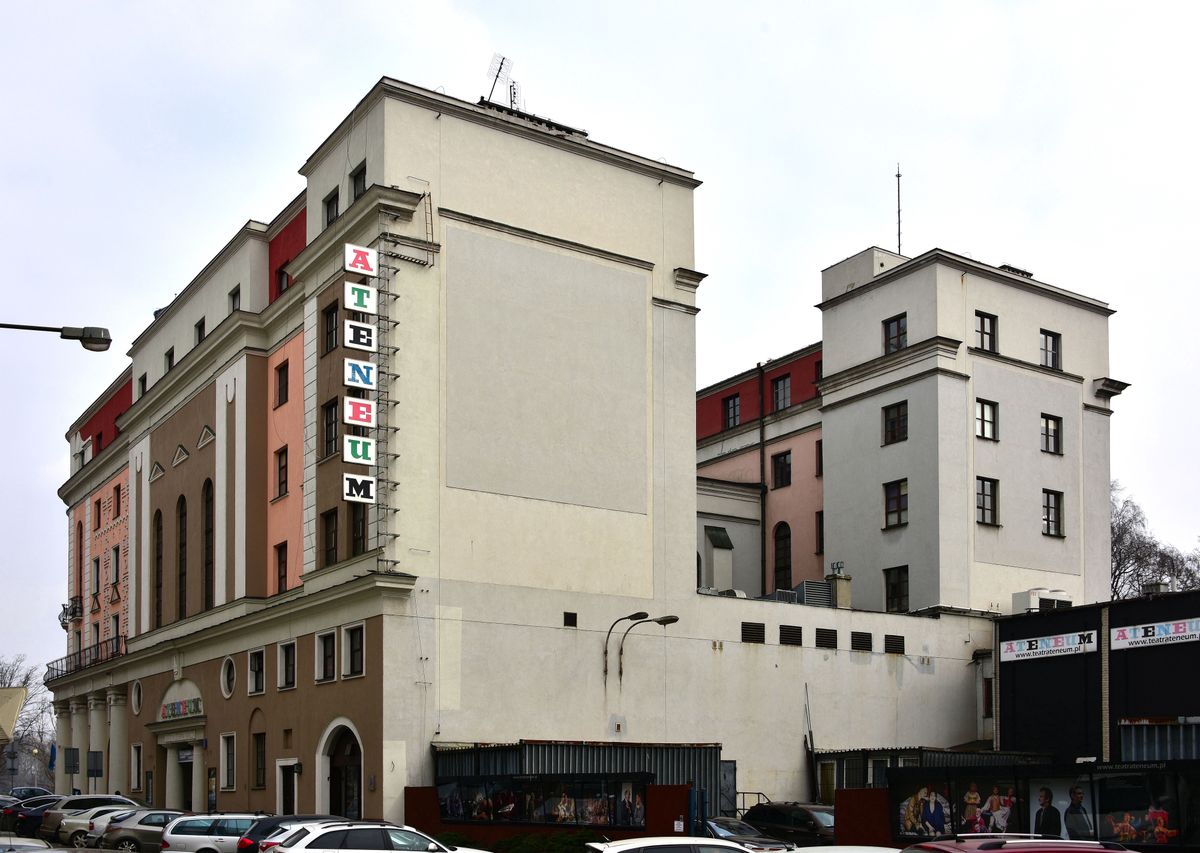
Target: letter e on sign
x=358 y=412
x=360 y=259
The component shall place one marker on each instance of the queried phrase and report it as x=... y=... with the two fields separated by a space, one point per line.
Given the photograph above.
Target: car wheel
x=78 y=839
x=127 y=845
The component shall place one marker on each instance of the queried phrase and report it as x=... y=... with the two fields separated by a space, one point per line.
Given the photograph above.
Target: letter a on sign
x=359 y=374
x=360 y=259
x=358 y=412
x=358 y=489
x=359 y=450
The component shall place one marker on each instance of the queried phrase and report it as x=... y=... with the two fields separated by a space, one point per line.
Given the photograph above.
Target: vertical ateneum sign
x=363 y=299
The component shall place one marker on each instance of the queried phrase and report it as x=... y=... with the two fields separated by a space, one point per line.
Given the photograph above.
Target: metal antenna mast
x=499 y=70
x=898 y=252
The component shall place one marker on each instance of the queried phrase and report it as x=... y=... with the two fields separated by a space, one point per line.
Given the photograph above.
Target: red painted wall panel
x=710 y=411
x=284 y=246
x=104 y=422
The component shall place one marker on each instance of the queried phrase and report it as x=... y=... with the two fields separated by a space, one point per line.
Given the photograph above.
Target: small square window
x=1052 y=510
x=329 y=537
x=987 y=500
x=781 y=469
x=169 y=359
x=781 y=392
x=895 y=422
x=1051 y=350
x=235 y=299
x=570 y=620
x=1051 y=434
x=358 y=182
x=200 y=331
x=256 y=681
x=331 y=208
x=895 y=333
x=895 y=503
x=732 y=407
x=985 y=331
x=895 y=589
x=281 y=384
x=987 y=420
x=282 y=280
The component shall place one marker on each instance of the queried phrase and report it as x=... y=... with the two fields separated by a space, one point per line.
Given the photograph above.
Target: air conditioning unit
x=733 y=593
x=1040 y=598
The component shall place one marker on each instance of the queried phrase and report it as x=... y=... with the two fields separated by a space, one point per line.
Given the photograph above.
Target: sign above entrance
x=181 y=709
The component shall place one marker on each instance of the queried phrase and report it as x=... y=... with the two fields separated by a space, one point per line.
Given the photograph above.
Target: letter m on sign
x=360 y=259
x=358 y=489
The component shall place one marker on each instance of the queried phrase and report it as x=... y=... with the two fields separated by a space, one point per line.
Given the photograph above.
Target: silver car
x=214 y=833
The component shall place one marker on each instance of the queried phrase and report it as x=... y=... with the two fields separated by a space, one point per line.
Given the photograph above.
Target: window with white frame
x=352 y=650
x=326 y=657
x=287 y=665
x=228 y=761
x=256 y=678
x=135 y=766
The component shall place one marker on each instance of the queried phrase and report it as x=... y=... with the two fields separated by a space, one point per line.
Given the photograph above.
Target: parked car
x=21 y=845
x=214 y=833
x=29 y=820
x=275 y=828
x=6 y=800
x=8 y=815
x=74 y=826
x=138 y=831
x=740 y=832
x=54 y=815
x=1022 y=843
x=97 y=825
x=666 y=844
x=805 y=824
x=26 y=791
x=363 y=836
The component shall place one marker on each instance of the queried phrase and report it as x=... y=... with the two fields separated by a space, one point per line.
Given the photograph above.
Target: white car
x=74 y=827
x=359 y=836
x=666 y=844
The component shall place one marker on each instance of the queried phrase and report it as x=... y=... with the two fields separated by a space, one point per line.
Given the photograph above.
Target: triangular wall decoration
x=156 y=471
x=181 y=456
x=206 y=435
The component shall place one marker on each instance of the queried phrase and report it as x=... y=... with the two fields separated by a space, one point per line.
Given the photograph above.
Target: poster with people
x=925 y=813
x=1140 y=808
x=985 y=805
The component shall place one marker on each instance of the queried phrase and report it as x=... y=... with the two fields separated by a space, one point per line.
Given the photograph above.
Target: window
x=819 y=370
x=895 y=503
x=783 y=556
x=781 y=392
x=895 y=422
x=1051 y=350
x=895 y=592
x=1051 y=434
x=114 y=626
x=96 y=514
x=281 y=384
x=331 y=208
x=158 y=568
x=210 y=578
x=987 y=500
x=329 y=537
x=358 y=529
x=331 y=327
x=326 y=655
x=570 y=619
x=781 y=469
x=329 y=416
x=732 y=406
x=287 y=665
x=987 y=698
x=352 y=648
x=255 y=682
x=821 y=531
x=116 y=513
x=985 y=331
x=281 y=472
x=199 y=327
x=169 y=359
x=358 y=182
x=228 y=677
x=235 y=299
x=135 y=765
x=142 y=385
x=228 y=761
x=114 y=574
x=987 y=415
x=95 y=634
x=1052 y=505
x=260 y=759
x=181 y=539
x=895 y=333
x=820 y=460
x=282 y=280
x=281 y=557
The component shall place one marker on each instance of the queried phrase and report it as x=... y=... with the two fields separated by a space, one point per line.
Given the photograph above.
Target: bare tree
x=34 y=731
x=1138 y=558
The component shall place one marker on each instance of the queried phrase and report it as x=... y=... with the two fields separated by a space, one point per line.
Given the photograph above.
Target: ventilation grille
x=893 y=644
x=826 y=638
x=754 y=632
x=791 y=635
x=860 y=641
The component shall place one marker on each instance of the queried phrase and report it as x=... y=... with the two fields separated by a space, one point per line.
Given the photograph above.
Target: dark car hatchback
x=804 y=824
x=249 y=843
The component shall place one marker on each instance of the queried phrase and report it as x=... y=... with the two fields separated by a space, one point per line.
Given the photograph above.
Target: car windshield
x=732 y=826
x=825 y=818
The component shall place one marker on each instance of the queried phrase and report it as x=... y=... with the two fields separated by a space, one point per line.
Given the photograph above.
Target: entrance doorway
x=287 y=789
x=345 y=776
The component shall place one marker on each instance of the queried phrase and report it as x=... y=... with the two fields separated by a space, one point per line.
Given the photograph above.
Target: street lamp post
x=641 y=614
x=92 y=338
x=661 y=620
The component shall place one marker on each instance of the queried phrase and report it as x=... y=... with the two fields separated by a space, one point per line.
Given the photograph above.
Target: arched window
x=783 y=556
x=158 y=568
x=209 y=575
x=181 y=538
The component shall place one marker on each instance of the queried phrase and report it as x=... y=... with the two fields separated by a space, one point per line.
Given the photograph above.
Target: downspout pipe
x=762 y=478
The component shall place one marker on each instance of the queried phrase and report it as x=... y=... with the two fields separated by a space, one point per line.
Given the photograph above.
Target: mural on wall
x=568 y=801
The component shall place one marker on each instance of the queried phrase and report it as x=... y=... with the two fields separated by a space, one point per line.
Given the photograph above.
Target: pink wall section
x=285 y=427
x=112 y=596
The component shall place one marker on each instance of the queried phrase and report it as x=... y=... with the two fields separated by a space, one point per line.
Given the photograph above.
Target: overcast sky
x=1058 y=137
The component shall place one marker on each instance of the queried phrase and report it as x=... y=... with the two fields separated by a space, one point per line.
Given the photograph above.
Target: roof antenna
x=898 y=252
x=499 y=70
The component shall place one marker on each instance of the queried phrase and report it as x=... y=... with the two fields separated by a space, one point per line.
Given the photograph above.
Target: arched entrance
x=345 y=774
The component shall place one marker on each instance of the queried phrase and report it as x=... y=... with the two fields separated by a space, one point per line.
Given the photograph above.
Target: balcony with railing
x=71 y=611
x=101 y=652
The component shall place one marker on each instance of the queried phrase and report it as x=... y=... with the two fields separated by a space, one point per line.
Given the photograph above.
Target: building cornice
x=937 y=346
x=899 y=383
x=528 y=127
x=1025 y=365
x=769 y=364
x=126 y=375
x=967 y=265
x=672 y=305
x=111 y=461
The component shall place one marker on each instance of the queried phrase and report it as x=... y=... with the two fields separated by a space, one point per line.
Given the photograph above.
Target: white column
x=199 y=778
x=79 y=740
x=97 y=741
x=62 y=737
x=173 y=798
x=118 y=741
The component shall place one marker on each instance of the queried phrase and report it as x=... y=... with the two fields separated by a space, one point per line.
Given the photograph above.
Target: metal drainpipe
x=762 y=478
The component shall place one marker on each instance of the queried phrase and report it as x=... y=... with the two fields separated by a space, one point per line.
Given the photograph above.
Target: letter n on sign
x=358 y=489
